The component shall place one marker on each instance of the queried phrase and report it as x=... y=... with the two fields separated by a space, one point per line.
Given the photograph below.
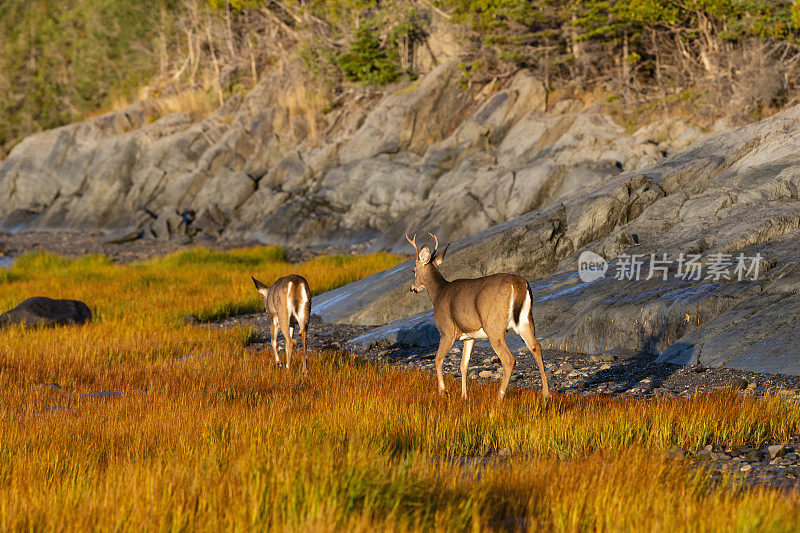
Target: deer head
x=426 y=263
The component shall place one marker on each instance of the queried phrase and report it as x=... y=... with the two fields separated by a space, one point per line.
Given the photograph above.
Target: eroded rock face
x=42 y=311
x=430 y=156
x=733 y=194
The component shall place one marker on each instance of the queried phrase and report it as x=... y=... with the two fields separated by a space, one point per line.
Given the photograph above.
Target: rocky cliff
x=518 y=183
x=430 y=156
x=733 y=194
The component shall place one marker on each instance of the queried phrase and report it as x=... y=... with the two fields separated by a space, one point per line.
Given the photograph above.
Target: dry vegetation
x=225 y=441
x=62 y=61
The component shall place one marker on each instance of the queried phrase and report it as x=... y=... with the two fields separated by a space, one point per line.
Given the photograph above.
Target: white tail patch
x=525 y=313
x=301 y=313
x=511 y=324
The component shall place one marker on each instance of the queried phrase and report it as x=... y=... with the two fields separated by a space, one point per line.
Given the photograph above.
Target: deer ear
x=260 y=287
x=424 y=254
x=440 y=256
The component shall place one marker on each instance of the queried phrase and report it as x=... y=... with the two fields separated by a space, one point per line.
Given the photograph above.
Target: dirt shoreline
x=75 y=245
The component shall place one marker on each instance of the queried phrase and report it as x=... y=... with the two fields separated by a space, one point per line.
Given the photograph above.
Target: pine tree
x=367 y=62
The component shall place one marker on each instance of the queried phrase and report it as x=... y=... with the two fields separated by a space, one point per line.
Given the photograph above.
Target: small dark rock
x=703 y=454
x=753 y=455
x=676 y=453
x=738 y=383
x=42 y=311
x=124 y=235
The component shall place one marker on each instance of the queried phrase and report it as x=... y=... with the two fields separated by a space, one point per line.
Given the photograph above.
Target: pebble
x=602 y=358
x=485 y=374
x=776 y=450
x=704 y=454
x=566 y=367
x=746 y=467
x=739 y=383
x=754 y=455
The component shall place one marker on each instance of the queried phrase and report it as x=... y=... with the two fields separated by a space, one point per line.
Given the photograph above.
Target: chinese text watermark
x=687 y=267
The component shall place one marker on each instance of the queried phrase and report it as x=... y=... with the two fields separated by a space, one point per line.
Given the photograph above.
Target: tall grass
x=229 y=442
x=222 y=440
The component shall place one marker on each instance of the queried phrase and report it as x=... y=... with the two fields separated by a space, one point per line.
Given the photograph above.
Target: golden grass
x=303 y=109
x=225 y=441
x=194 y=102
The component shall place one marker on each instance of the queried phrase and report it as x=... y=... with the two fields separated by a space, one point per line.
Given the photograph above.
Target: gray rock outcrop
x=430 y=155
x=733 y=194
x=42 y=311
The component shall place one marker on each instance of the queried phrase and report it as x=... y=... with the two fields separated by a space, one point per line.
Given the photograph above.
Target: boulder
x=412 y=119
x=732 y=195
x=42 y=311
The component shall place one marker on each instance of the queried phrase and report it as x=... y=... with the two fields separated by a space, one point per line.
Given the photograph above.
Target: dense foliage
x=366 y=62
x=63 y=60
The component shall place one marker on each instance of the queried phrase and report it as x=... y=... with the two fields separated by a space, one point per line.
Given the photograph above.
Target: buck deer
x=480 y=308
x=288 y=298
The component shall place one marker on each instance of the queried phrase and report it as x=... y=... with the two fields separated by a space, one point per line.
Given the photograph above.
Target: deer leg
x=304 y=336
x=283 y=319
x=465 y=365
x=445 y=343
x=273 y=338
x=536 y=349
x=303 y=328
x=501 y=349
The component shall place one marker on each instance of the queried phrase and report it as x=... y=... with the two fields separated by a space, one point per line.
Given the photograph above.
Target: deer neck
x=434 y=282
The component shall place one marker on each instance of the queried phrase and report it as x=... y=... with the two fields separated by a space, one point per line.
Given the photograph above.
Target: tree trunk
x=626 y=68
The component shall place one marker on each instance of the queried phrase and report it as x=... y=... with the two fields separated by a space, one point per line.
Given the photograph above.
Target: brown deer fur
x=480 y=308
x=287 y=301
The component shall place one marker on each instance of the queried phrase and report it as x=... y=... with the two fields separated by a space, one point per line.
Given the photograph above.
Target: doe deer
x=289 y=298
x=480 y=308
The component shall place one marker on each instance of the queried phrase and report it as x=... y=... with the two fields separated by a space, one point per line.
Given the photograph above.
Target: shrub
x=367 y=62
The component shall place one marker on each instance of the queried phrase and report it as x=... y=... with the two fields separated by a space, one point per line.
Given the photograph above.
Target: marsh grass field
x=213 y=437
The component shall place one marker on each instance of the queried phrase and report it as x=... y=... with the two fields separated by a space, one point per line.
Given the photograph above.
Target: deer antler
x=436 y=245
x=413 y=243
